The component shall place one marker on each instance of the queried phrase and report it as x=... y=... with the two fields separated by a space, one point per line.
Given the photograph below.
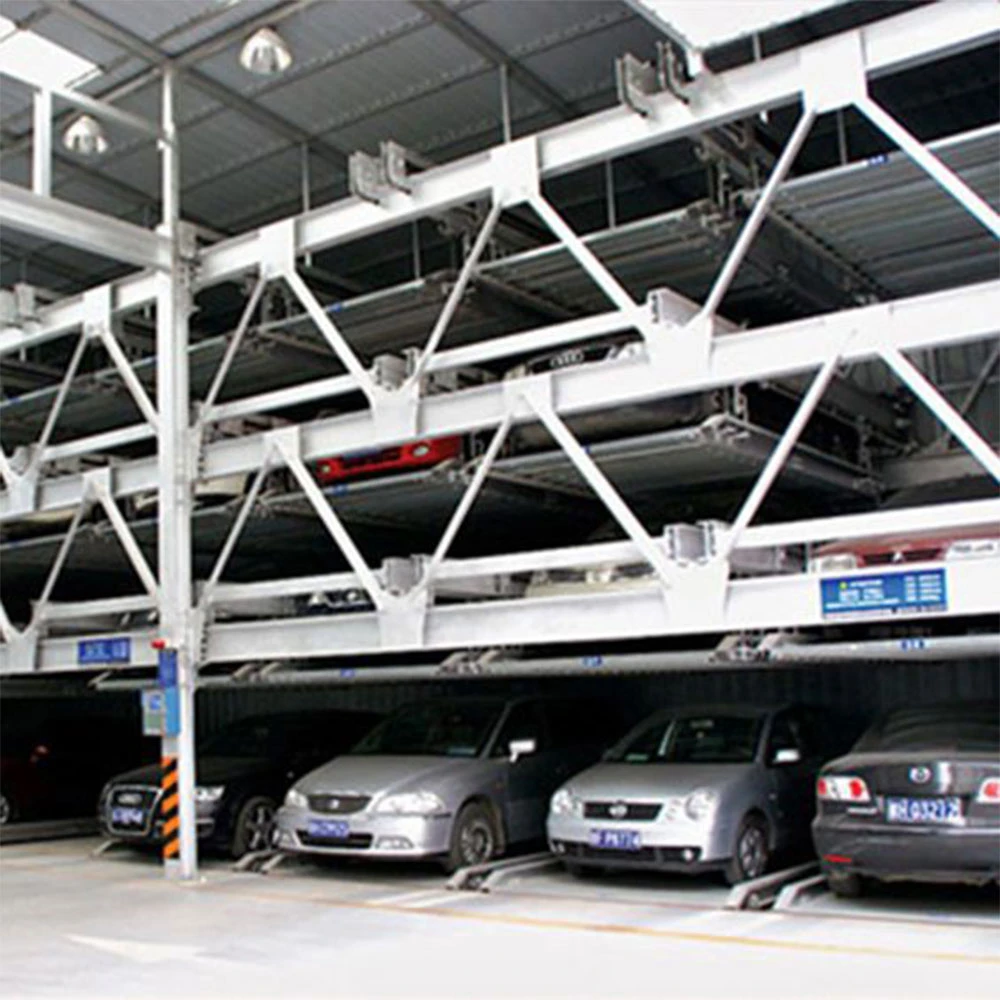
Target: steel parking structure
x=685 y=347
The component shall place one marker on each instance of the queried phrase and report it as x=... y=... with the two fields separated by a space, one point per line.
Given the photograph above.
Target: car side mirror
x=786 y=755
x=521 y=748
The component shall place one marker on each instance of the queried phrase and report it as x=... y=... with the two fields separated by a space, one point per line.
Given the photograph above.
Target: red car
x=398 y=458
x=970 y=542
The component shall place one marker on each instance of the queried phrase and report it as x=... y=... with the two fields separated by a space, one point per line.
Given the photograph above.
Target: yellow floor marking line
x=542 y=923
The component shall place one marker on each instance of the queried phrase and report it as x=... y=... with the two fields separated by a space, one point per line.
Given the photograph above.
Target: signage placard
x=904 y=592
x=104 y=651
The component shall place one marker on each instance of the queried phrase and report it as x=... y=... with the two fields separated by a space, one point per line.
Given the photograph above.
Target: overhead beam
x=939 y=319
x=890 y=45
x=72 y=225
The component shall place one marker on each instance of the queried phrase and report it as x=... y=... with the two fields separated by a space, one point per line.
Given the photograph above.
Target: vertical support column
x=41 y=138
x=174 y=539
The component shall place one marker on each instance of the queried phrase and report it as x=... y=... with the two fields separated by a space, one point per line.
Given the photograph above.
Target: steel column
x=173 y=305
x=41 y=143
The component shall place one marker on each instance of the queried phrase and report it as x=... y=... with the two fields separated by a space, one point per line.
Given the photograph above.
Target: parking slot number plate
x=329 y=829
x=127 y=816
x=941 y=811
x=616 y=840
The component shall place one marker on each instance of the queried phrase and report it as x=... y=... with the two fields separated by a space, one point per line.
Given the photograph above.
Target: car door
x=791 y=760
x=527 y=779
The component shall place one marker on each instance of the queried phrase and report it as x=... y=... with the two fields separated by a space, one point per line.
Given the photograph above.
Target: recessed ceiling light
x=265 y=53
x=85 y=136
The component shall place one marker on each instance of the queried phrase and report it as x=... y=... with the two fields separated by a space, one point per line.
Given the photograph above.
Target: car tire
x=751 y=851
x=474 y=838
x=8 y=809
x=845 y=885
x=255 y=827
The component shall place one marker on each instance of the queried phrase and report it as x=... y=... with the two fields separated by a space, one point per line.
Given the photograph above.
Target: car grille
x=641 y=811
x=338 y=805
x=356 y=841
x=141 y=797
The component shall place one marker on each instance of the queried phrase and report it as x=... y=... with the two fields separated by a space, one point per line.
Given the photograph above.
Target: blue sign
x=167 y=668
x=100 y=651
x=171 y=711
x=905 y=592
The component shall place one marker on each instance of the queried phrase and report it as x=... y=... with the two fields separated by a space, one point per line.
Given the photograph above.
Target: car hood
x=653 y=781
x=209 y=771
x=372 y=775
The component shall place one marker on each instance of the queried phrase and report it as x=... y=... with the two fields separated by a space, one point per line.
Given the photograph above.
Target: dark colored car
x=56 y=770
x=242 y=774
x=918 y=798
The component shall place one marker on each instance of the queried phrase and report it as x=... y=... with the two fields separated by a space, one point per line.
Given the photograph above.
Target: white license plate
x=940 y=810
x=329 y=829
x=127 y=816
x=616 y=840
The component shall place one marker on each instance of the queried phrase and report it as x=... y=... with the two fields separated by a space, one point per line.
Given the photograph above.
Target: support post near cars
x=174 y=459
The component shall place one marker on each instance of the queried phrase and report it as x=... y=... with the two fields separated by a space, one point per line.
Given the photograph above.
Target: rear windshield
x=935 y=729
x=703 y=739
x=437 y=729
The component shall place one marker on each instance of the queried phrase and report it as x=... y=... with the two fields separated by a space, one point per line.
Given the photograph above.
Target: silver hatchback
x=700 y=789
x=453 y=779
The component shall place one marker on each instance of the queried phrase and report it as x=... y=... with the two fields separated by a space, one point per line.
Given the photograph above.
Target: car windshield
x=971 y=729
x=437 y=729
x=701 y=739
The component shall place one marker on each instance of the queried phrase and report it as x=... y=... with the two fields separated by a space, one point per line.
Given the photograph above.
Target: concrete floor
x=75 y=926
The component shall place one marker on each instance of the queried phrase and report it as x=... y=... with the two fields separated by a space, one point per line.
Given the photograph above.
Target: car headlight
x=411 y=804
x=565 y=803
x=840 y=562
x=208 y=793
x=700 y=804
x=296 y=799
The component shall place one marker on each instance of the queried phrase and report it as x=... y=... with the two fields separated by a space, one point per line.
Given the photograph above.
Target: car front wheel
x=8 y=811
x=474 y=838
x=255 y=827
x=751 y=855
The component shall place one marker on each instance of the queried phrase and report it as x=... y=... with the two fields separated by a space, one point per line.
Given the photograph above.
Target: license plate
x=616 y=840
x=329 y=829
x=929 y=810
x=127 y=816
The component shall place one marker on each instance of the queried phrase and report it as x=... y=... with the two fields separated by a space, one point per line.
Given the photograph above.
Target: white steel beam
x=83 y=228
x=939 y=319
x=890 y=45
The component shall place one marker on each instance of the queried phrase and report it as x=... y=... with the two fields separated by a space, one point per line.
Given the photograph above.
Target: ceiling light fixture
x=85 y=136
x=265 y=53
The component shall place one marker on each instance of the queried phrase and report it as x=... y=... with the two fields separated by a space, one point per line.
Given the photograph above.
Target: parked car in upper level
x=918 y=797
x=934 y=545
x=696 y=789
x=456 y=779
x=242 y=773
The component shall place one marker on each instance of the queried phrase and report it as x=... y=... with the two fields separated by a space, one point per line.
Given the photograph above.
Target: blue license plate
x=329 y=829
x=616 y=840
x=127 y=816
x=942 y=810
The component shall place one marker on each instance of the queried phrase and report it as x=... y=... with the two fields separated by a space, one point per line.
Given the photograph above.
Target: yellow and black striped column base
x=169 y=809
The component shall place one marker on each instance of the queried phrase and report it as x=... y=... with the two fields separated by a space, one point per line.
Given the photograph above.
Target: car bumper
x=154 y=834
x=668 y=846
x=945 y=855
x=369 y=836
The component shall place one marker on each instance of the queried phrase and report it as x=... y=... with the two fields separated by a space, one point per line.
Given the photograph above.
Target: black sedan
x=242 y=774
x=918 y=798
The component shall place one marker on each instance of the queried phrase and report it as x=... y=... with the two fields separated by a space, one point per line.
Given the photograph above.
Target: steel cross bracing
x=683 y=352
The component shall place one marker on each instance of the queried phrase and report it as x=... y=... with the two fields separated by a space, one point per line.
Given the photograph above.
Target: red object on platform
x=414 y=455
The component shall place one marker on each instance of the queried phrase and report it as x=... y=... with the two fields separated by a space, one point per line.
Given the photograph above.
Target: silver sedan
x=702 y=789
